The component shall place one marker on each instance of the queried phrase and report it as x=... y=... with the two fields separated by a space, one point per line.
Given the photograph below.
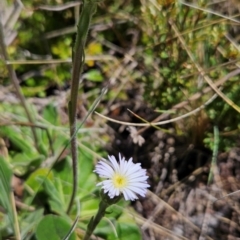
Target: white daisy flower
x=124 y=177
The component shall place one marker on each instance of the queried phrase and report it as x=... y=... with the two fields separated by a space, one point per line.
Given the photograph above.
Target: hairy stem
x=87 y=11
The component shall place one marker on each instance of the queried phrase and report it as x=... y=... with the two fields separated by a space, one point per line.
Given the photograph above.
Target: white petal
x=129 y=195
x=135 y=177
x=104 y=169
x=114 y=163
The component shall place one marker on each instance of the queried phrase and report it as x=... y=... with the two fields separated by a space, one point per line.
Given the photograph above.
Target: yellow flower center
x=119 y=181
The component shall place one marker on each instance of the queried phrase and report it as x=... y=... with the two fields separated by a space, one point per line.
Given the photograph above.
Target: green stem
x=105 y=202
x=88 y=10
x=94 y=221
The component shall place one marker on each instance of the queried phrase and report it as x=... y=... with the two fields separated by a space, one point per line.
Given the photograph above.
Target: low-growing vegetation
x=156 y=81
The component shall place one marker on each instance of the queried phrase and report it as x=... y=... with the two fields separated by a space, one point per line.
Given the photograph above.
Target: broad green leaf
x=23 y=162
x=116 y=212
x=105 y=229
x=56 y=201
x=63 y=171
x=34 y=182
x=50 y=114
x=29 y=223
x=54 y=228
x=85 y=168
x=89 y=208
x=126 y=231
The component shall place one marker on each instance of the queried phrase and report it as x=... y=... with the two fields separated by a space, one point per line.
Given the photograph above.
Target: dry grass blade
x=9 y=16
x=58 y=7
x=161 y=122
x=163 y=204
x=162 y=231
x=58 y=61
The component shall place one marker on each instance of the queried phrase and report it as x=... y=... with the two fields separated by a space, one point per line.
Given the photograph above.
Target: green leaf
x=164 y=55
x=32 y=91
x=5 y=189
x=50 y=114
x=56 y=201
x=85 y=166
x=34 y=181
x=86 y=177
x=94 y=75
x=30 y=222
x=89 y=207
x=126 y=231
x=18 y=138
x=54 y=228
x=23 y=162
x=64 y=182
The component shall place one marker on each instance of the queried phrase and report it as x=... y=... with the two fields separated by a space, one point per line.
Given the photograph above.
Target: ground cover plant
x=154 y=81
